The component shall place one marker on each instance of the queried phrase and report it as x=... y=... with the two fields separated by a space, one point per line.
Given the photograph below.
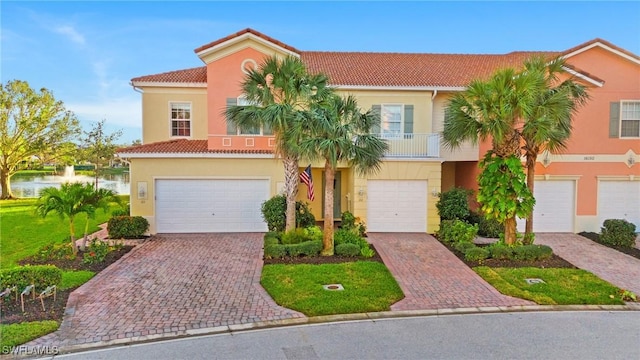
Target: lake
x=27 y=186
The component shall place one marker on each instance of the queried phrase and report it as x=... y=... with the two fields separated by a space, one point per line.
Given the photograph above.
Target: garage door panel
x=397 y=206
x=555 y=206
x=619 y=200
x=210 y=205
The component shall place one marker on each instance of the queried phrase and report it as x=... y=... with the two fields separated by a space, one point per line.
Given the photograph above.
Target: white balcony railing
x=412 y=145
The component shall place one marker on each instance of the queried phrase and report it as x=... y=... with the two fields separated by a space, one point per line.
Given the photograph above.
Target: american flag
x=306 y=178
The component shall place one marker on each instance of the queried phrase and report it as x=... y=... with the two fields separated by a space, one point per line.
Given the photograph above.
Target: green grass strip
x=18 y=334
x=561 y=286
x=368 y=286
x=73 y=279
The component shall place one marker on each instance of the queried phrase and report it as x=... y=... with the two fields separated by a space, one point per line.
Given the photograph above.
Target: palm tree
x=281 y=91
x=548 y=124
x=339 y=132
x=492 y=110
x=67 y=201
x=97 y=199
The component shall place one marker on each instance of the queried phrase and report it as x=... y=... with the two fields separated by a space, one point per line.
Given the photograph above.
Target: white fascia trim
x=241 y=38
x=410 y=88
x=597 y=43
x=194 y=156
x=583 y=77
x=168 y=84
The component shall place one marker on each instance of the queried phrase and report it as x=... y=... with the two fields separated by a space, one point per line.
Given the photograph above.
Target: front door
x=337 y=208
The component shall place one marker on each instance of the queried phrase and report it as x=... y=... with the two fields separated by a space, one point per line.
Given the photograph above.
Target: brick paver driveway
x=168 y=285
x=432 y=277
x=611 y=265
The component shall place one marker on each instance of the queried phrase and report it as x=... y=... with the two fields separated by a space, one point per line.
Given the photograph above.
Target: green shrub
x=463 y=246
x=618 y=232
x=344 y=236
x=476 y=254
x=500 y=251
x=127 y=227
x=454 y=204
x=307 y=248
x=22 y=276
x=124 y=211
x=295 y=236
x=271 y=238
x=276 y=251
x=490 y=228
x=96 y=253
x=60 y=251
x=452 y=231
x=274 y=213
x=532 y=252
x=348 y=221
x=367 y=252
x=314 y=232
x=347 y=249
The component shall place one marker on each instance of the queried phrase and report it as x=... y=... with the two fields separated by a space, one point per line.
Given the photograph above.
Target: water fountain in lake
x=30 y=186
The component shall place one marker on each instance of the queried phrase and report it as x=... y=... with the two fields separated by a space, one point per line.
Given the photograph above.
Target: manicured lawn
x=17 y=334
x=22 y=232
x=72 y=279
x=368 y=286
x=561 y=287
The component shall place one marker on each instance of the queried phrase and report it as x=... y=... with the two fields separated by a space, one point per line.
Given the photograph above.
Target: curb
x=372 y=316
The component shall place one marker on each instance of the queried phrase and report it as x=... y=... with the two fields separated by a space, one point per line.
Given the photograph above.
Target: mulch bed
x=11 y=310
x=632 y=251
x=323 y=259
x=554 y=261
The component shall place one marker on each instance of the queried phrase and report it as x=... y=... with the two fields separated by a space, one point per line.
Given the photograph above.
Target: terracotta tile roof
x=193 y=75
x=400 y=69
x=246 y=31
x=604 y=42
x=183 y=146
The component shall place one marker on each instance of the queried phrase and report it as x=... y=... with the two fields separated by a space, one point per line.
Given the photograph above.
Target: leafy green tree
x=338 y=131
x=548 y=123
x=31 y=123
x=68 y=201
x=99 y=147
x=281 y=91
x=492 y=110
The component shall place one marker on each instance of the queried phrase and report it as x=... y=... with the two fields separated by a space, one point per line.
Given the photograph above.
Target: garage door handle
x=213 y=214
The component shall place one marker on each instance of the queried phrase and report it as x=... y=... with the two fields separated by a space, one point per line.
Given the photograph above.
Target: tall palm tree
x=97 y=199
x=281 y=91
x=67 y=201
x=548 y=125
x=338 y=131
x=492 y=110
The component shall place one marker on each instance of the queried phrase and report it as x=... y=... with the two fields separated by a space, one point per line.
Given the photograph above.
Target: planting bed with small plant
x=617 y=234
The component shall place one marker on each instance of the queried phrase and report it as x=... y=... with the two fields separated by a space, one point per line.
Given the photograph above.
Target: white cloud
x=71 y=33
x=125 y=112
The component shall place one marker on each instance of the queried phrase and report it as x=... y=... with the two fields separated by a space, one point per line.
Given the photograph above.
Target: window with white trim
x=630 y=119
x=391 y=119
x=180 y=119
x=242 y=101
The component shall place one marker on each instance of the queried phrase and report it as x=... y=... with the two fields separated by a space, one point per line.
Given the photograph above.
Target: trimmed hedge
x=618 y=232
x=476 y=254
x=275 y=251
x=455 y=231
x=308 y=248
x=454 y=204
x=532 y=252
x=22 y=276
x=127 y=227
x=499 y=251
x=295 y=236
x=347 y=249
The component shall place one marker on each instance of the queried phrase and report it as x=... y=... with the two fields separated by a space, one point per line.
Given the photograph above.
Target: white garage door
x=555 y=206
x=619 y=200
x=192 y=206
x=397 y=206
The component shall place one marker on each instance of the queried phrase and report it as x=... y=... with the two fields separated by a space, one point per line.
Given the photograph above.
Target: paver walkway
x=168 y=285
x=611 y=265
x=432 y=277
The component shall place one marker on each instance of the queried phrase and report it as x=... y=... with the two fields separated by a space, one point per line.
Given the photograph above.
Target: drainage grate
x=333 y=287
x=534 y=281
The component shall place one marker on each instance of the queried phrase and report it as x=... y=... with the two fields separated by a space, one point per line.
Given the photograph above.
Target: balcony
x=412 y=146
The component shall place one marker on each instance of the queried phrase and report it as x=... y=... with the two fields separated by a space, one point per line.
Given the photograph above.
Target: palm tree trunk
x=83 y=247
x=291 y=180
x=72 y=230
x=531 y=173
x=5 y=182
x=510 y=228
x=327 y=237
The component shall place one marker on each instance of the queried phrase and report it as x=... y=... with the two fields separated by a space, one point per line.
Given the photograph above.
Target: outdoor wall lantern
x=142 y=190
x=631 y=160
x=435 y=193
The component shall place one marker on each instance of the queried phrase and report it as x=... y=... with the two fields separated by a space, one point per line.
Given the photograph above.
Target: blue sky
x=87 y=52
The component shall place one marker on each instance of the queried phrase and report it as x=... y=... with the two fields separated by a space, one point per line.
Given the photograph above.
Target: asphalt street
x=535 y=335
